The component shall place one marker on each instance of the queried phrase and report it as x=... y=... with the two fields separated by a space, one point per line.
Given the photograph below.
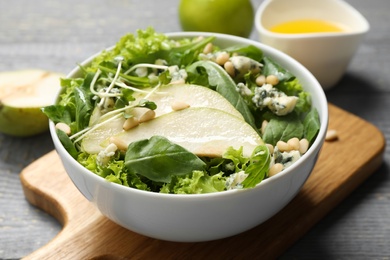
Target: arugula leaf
x=258 y=166
x=220 y=81
x=158 y=159
x=83 y=108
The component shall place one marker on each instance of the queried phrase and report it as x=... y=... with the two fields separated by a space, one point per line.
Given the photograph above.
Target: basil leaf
x=220 y=81
x=258 y=167
x=311 y=125
x=158 y=159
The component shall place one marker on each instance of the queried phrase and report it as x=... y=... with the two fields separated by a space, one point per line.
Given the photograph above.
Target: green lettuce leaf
x=195 y=183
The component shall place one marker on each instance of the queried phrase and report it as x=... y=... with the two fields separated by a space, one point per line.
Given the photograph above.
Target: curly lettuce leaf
x=114 y=171
x=195 y=183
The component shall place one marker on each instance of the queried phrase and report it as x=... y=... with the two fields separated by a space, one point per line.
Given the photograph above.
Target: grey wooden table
x=54 y=35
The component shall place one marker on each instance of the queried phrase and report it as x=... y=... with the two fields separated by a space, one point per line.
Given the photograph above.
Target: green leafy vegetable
x=195 y=183
x=311 y=125
x=158 y=159
x=283 y=128
x=249 y=51
x=258 y=166
x=67 y=143
x=106 y=91
x=221 y=82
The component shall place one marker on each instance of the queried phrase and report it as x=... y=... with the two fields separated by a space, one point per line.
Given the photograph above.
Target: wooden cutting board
x=343 y=165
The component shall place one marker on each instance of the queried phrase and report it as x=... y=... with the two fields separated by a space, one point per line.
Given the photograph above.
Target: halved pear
x=22 y=95
x=192 y=95
x=202 y=131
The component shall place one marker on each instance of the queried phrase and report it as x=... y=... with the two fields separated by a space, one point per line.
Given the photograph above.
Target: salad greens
x=140 y=65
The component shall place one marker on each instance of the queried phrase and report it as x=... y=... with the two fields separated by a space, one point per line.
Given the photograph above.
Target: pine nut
x=143 y=114
x=276 y=168
x=119 y=143
x=208 y=48
x=263 y=126
x=229 y=68
x=111 y=148
x=270 y=148
x=283 y=146
x=272 y=79
x=303 y=146
x=331 y=135
x=179 y=105
x=222 y=58
x=260 y=80
x=293 y=143
x=130 y=123
x=63 y=127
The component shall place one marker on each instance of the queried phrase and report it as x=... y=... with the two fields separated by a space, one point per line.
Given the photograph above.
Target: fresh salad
x=184 y=116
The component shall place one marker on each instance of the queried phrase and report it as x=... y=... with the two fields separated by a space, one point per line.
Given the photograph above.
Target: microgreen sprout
x=120 y=60
x=146 y=65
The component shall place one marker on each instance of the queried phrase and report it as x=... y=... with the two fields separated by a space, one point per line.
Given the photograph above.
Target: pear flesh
x=202 y=131
x=192 y=95
x=164 y=97
x=22 y=95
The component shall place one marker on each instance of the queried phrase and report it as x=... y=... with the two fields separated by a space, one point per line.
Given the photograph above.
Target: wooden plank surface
x=342 y=166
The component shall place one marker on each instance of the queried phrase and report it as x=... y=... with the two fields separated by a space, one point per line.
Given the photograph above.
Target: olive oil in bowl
x=307 y=26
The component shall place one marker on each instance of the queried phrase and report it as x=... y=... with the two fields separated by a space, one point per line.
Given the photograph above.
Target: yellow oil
x=307 y=26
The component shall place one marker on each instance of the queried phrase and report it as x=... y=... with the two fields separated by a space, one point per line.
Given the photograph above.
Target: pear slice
x=165 y=98
x=202 y=131
x=22 y=95
x=192 y=95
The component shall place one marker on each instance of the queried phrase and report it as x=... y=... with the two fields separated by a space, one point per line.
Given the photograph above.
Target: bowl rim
x=263 y=30
x=315 y=147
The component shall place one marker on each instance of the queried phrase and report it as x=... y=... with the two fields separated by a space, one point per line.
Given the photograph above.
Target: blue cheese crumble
x=278 y=102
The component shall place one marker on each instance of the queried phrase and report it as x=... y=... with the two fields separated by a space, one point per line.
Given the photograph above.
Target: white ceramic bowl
x=326 y=55
x=203 y=217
